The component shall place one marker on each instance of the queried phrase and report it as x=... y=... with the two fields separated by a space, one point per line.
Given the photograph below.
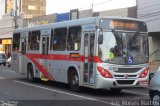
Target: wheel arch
x=70 y=70
x=151 y=92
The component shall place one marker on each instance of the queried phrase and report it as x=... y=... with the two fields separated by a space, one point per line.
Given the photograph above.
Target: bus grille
x=121 y=82
x=122 y=76
x=128 y=70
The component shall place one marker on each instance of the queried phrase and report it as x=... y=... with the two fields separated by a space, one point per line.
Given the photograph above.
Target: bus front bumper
x=108 y=83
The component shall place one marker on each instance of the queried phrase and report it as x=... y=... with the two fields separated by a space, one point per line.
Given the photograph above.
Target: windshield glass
x=124 y=48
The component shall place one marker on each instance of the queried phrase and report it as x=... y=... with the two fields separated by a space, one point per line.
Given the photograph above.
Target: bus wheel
x=116 y=90
x=155 y=99
x=74 y=82
x=30 y=74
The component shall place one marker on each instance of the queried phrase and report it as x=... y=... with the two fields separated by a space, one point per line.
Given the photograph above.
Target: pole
x=92 y=9
x=15 y=17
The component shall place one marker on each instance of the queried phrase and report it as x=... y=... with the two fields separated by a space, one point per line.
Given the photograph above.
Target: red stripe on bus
x=96 y=59
x=56 y=57
x=40 y=67
x=63 y=57
x=45 y=72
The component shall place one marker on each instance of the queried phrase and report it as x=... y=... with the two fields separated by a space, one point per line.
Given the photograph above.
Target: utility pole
x=15 y=16
x=92 y=9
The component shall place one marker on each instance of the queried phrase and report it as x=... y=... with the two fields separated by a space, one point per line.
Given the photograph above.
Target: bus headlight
x=105 y=73
x=144 y=73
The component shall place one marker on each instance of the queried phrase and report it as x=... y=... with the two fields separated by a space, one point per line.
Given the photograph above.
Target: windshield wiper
x=118 y=38
x=134 y=36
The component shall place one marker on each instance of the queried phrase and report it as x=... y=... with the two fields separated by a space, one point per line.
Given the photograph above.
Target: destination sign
x=123 y=24
x=130 y=25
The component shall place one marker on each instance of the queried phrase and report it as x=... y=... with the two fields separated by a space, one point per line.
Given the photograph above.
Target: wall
x=85 y=13
x=6 y=26
x=124 y=12
x=116 y=12
x=2 y=8
x=149 y=10
x=154 y=44
x=39 y=20
x=62 y=17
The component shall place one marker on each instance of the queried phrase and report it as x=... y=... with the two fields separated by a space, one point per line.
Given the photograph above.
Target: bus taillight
x=105 y=73
x=144 y=73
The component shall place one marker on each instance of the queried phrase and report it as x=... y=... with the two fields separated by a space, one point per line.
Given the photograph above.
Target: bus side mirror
x=100 y=38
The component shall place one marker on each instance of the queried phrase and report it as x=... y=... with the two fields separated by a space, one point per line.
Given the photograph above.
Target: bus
x=109 y=53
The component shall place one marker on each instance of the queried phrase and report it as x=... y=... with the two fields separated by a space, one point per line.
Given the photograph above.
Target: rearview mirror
x=100 y=37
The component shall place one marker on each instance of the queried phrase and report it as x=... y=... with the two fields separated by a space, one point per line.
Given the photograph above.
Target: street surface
x=15 y=90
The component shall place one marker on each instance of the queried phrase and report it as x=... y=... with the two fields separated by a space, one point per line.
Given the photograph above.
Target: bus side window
x=34 y=40
x=59 y=39
x=16 y=42
x=29 y=41
x=51 y=41
x=74 y=38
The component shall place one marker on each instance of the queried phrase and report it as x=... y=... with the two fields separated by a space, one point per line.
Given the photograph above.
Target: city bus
x=109 y=53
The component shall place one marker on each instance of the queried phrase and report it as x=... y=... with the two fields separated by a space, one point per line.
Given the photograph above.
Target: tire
x=30 y=73
x=74 y=82
x=116 y=90
x=155 y=98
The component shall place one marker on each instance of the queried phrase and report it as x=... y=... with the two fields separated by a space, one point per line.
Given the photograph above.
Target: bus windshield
x=124 y=47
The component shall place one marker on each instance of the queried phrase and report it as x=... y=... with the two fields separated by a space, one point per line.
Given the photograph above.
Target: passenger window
x=16 y=42
x=34 y=40
x=59 y=39
x=51 y=41
x=74 y=38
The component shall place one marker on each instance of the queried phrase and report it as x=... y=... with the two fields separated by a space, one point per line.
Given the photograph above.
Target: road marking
x=136 y=92
x=9 y=71
x=2 y=78
x=64 y=92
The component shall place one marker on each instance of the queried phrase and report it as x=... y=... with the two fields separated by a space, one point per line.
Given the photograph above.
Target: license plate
x=143 y=83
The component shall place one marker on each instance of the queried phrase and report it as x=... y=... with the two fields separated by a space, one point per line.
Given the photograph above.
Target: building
x=33 y=8
x=2 y=8
x=8 y=6
x=40 y=20
x=29 y=8
x=124 y=12
x=6 y=31
x=149 y=11
x=24 y=9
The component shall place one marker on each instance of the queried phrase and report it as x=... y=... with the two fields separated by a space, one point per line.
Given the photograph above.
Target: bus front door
x=88 y=75
x=22 y=56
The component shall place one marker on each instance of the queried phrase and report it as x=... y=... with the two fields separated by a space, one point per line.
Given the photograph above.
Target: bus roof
x=76 y=22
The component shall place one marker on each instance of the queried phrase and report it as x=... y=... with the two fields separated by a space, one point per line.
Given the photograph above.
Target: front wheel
x=74 y=82
x=155 y=98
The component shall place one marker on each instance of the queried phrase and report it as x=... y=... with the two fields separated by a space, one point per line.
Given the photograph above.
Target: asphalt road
x=15 y=90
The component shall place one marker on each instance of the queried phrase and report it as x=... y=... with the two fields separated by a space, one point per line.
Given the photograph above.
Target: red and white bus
x=98 y=52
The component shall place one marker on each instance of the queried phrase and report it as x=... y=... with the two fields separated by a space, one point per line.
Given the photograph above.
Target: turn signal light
x=105 y=73
x=144 y=73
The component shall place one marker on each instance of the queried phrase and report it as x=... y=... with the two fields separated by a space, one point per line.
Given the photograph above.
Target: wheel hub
x=156 y=100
